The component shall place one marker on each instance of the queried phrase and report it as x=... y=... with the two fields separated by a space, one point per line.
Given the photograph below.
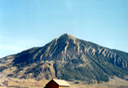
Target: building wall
x=52 y=85
x=64 y=87
x=60 y=87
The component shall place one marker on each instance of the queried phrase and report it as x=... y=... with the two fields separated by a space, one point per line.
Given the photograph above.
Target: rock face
x=67 y=58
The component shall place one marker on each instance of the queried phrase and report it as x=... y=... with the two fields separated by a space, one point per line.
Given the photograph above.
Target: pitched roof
x=61 y=82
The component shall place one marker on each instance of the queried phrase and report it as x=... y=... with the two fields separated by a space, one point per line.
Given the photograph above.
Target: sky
x=33 y=23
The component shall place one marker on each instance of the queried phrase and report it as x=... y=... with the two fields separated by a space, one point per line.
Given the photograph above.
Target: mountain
x=67 y=58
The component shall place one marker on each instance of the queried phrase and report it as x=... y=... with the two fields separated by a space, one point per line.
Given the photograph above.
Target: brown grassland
x=30 y=83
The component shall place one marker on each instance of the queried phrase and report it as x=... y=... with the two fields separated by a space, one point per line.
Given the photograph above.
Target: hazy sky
x=29 y=23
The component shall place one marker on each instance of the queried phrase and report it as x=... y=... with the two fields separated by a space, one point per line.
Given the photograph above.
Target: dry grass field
x=30 y=83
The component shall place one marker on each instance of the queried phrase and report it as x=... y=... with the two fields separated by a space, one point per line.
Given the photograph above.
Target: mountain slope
x=67 y=58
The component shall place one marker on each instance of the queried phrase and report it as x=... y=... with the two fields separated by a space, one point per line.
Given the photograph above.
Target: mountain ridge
x=69 y=58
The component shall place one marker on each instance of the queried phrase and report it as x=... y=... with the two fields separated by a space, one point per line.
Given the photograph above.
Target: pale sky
x=30 y=23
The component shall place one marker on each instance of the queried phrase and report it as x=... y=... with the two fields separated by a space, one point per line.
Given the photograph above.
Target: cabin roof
x=61 y=82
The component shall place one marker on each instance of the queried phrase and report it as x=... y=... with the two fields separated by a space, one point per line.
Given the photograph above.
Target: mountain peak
x=67 y=36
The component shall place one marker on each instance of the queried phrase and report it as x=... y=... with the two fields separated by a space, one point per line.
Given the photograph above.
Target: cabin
x=56 y=83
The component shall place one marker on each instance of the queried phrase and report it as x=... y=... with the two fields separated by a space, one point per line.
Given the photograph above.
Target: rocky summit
x=67 y=58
